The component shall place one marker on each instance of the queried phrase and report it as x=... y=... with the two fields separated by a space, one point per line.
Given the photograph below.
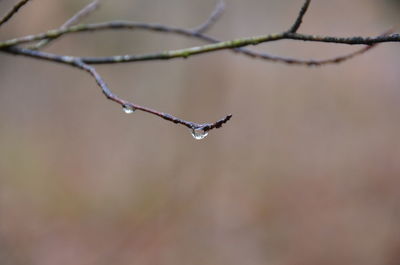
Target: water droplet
x=199 y=134
x=128 y=109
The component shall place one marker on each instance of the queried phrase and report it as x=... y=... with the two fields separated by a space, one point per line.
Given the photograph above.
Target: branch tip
x=85 y=63
x=209 y=126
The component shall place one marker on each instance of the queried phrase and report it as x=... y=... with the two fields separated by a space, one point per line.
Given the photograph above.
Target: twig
x=312 y=62
x=84 y=63
x=73 y=20
x=126 y=104
x=299 y=19
x=215 y=15
x=237 y=43
x=188 y=33
x=77 y=62
x=308 y=62
x=13 y=11
x=81 y=14
x=196 y=32
x=185 y=53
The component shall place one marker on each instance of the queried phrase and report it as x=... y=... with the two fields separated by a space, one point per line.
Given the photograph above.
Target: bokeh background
x=306 y=172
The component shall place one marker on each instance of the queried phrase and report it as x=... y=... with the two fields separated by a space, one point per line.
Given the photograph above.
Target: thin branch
x=185 y=53
x=188 y=33
x=125 y=104
x=312 y=62
x=288 y=60
x=299 y=19
x=81 y=14
x=77 y=62
x=344 y=40
x=13 y=11
x=237 y=43
x=215 y=15
x=73 y=20
x=245 y=51
x=84 y=63
x=307 y=62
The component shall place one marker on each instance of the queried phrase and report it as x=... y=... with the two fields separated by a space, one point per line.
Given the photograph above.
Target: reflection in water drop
x=128 y=109
x=199 y=134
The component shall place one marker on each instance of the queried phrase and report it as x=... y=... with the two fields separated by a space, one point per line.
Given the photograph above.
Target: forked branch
x=12 y=46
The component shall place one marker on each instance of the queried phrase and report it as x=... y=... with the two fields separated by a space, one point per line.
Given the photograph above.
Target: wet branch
x=78 y=63
x=133 y=107
x=12 y=46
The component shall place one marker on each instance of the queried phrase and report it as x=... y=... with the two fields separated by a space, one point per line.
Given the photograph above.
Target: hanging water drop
x=199 y=134
x=128 y=109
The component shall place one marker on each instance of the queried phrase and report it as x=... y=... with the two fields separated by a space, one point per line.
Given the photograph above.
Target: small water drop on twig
x=128 y=109
x=199 y=134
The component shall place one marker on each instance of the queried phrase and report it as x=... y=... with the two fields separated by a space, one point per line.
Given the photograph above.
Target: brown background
x=306 y=172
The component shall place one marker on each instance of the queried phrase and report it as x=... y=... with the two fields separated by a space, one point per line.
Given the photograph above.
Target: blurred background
x=306 y=172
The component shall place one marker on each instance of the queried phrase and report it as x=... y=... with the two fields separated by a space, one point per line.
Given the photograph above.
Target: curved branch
x=193 y=33
x=184 y=53
x=84 y=63
x=308 y=62
x=132 y=106
x=78 y=63
x=236 y=43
